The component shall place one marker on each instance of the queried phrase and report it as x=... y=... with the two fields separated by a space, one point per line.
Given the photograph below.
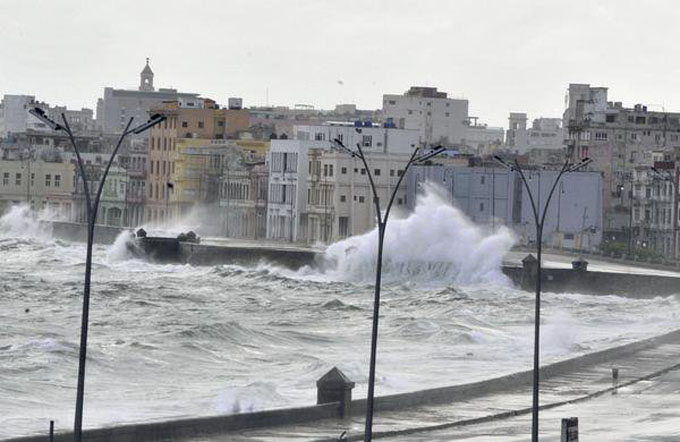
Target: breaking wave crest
x=436 y=242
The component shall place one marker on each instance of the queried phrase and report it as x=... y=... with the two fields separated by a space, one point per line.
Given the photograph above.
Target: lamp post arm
x=81 y=166
x=531 y=196
x=108 y=166
x=396 y=188
x=552 y=190
x=376 y=200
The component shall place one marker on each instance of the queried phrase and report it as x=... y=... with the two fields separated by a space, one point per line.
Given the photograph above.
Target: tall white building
x=287 y=161
x=439 y=119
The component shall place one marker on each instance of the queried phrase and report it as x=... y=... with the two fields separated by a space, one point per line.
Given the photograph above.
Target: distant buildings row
x=269 y=171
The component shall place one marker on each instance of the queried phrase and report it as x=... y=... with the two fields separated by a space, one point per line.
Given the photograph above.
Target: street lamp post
x=382 y=224
x=539 y=220
x=670 y=177
x=92 y=207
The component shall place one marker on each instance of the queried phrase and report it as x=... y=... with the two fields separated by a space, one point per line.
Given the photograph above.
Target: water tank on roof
x=357 y=123
x=368 y=123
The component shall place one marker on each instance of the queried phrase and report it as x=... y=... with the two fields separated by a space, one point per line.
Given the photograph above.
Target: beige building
x=44 y=185
x=339 y=196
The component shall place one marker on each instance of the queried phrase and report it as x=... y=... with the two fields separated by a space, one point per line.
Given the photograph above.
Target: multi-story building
x=494 y=196
x=243 y=200
x=483 y=140
x=542 y=143
x=618 y=140
x=44 y=185
x=438 y=119
x=651 y=211
x=339 y=196
x=119 y=105
x=287 y=196
x=371 y=138
x=15 y=119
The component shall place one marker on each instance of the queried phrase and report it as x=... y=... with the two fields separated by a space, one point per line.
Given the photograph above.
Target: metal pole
x=630 y=222
x=539 y=222
x=51 y=431
x=493 y=199
x=92 y=208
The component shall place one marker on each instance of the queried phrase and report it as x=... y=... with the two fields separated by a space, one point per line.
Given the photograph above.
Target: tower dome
x=146 y=78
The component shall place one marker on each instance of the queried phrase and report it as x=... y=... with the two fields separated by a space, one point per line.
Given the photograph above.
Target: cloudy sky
x=503 y=55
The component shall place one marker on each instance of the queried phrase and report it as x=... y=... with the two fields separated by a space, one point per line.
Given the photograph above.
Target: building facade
x=117 y=106
x=493 y=197
x=438 y=118
x=619 y=140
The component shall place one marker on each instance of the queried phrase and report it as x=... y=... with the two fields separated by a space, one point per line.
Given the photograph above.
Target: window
x=400 y=172
x=633 y=136
x=17 y=179
x=343 y=171
x=48 y=180
x=640 y=120
x=410 y=112
x=611 y=118
x=32 y=179
x=57 y=181
x=392 y=102
x=391 y=172
x=400 y=201
x=447 y=114
x=481 y=207
x=356 y=170
x=330 y=170
x=325 y=170
x=601 y=136
x=367 y=141
x=363 y=171
x=185 y=124
x=361 y=199
x=376 y=172
x=343 y=198
x=200 y=125
x=674 y=137
x=320 y=136
x=220 y=123
x=482 y=179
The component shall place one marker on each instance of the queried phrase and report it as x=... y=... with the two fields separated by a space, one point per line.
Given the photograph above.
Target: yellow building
x=181 y=149
x=44 y=185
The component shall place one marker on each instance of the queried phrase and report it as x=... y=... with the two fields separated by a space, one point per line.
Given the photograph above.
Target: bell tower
x=146 y=78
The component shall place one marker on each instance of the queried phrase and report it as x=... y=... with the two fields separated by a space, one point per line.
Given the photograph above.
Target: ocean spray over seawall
x=22 y=222
x=436 y=242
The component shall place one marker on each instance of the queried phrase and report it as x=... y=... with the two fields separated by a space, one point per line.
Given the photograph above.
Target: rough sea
x=169 y=341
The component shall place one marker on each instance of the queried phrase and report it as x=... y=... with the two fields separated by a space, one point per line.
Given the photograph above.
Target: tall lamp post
x=416 y=157
x=539 y=220
x=92 y=207
x=674 y=205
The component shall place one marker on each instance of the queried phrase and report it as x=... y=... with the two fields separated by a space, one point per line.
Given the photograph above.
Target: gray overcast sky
x=502 y=55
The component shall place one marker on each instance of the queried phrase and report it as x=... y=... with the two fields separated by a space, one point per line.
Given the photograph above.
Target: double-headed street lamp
x=416 y=157
x=670 y=177
x=92 y=207
x=539 y=220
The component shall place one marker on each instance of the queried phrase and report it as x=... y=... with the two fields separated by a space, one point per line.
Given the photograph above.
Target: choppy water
x=173 y=340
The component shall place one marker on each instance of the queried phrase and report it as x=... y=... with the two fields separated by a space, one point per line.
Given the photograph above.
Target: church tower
x=146 y=79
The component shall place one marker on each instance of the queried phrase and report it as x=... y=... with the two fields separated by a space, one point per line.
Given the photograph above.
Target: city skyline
x=502 y=57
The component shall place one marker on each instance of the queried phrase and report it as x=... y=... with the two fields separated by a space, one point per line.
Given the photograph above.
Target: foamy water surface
x=175 y=340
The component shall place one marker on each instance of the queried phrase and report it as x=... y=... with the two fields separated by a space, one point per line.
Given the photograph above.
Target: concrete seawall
x=78 y=232
x=595 y=283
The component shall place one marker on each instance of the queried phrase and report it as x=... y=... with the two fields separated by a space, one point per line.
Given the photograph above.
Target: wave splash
x=436 y=242
x=22 y=222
